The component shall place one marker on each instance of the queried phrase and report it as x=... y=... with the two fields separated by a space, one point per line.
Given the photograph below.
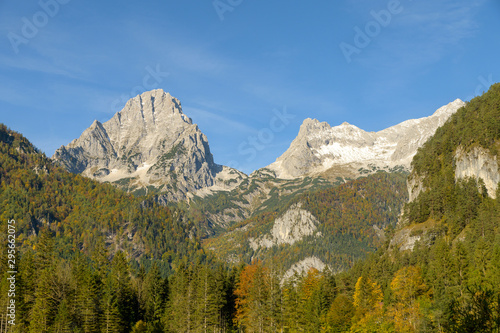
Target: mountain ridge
x=149 y=144
x=318 y=147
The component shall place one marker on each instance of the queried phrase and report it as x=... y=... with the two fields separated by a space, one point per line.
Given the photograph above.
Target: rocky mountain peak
x=319 y=147
x=151 y=111
x=149 y=145
x=449 y=109
x=95 y=124
x=310 y=126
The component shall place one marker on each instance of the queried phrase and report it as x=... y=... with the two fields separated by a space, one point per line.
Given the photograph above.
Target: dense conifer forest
x=91 y=258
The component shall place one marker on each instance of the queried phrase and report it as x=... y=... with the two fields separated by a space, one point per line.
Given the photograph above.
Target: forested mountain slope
x=446 y=278
x=90 y=258
x=338 y=225
x=449 y=278
x=82 y=213
x=259 y=193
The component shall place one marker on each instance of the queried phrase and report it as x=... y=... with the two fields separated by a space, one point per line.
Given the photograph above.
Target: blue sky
x=235 y=63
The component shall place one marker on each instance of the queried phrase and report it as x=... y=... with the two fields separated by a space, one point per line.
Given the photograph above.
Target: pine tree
x=461 y=259
x=310 y=299
x=63 y=321
x=110 y=318
x=155 y=295
x=340 y=314
x=26 y=286
x=87 y=295
x=290 y=304
x=179 y=314
x=45 y=305
x=120 y=274
x=275 y=299
x=227 y=281
x=209 y=303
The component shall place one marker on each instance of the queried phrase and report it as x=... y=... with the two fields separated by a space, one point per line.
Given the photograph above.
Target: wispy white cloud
x=217 y=121
x=33 y=64
x=191 y=56
x=424 y=33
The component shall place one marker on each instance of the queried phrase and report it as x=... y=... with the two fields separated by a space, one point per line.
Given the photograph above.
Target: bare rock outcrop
x=302 y=267
x=149 y=144
x=295 y=224
x=478 y=163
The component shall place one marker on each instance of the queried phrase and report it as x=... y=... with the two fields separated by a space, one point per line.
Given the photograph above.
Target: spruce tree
x=87 y=295
x=155 y=296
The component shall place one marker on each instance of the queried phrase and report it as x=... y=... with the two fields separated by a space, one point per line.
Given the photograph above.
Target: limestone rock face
x=415 y=186
x=150 y=144
x=319 y=147
x=478 y=163
x=292 y=226
x=295 y=224
x=405 y=238
x=302 y=267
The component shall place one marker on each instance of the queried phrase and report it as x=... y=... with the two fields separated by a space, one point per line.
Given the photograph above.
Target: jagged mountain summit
x=348 y=151
x=149 y=145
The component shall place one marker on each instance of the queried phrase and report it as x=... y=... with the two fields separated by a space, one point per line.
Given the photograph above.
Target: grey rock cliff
x=302 y=267
x=150 y=144
x=415 y=185
x=478 y=163
x=295 y=224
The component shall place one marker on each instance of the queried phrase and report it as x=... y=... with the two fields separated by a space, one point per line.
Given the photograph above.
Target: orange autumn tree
x=252 y=293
